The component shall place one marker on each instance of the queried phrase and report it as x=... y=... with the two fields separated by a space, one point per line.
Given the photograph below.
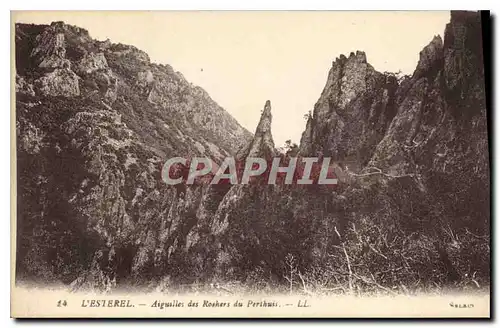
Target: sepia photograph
x=266 y=164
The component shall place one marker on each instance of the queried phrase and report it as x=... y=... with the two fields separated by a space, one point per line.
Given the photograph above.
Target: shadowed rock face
x=411 y=212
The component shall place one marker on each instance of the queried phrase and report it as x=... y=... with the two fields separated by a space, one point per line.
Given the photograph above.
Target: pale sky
x=250 y=57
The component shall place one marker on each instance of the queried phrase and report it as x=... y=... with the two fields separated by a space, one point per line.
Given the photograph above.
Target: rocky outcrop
x=60 y=82
x=22 y=87
x=411 y=212
x=92 y=62
x=59 y=44
x=144 y=79
x=177 y=97
x=432 y=119
x=439 y=136
x=93 y=208
x=431 y=57
x=432 y=158
x=353 y=112
x=50 y=51
x=262 y=144
x=417 y=138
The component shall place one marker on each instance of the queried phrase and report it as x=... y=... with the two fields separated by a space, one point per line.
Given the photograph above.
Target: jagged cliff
x=95 y=120
x=262 y=144
x=353 y=112
x=414 y=210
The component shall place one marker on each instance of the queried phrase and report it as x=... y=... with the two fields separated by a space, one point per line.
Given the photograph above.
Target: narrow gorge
x=95 y=122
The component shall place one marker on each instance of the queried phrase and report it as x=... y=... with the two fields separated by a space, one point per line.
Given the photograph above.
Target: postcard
x=250 y=164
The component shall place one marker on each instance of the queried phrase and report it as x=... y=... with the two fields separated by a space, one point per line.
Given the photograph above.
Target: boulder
x=60 y=82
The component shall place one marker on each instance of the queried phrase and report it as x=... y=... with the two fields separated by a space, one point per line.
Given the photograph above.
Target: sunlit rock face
x=428 y=171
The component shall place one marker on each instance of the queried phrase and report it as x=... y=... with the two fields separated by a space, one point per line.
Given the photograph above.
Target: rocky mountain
x=262 y=144
x=63 y=61
x=95 y=120
x=413 y=212
x=352 y=113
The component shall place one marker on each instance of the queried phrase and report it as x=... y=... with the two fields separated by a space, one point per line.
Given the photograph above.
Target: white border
x=189 y=5
x=254 y=5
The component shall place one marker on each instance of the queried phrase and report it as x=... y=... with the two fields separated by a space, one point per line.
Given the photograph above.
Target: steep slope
x=62 y=60
x=95 y=121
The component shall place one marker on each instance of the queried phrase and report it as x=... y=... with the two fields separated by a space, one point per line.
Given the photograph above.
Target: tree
x=289 y=149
